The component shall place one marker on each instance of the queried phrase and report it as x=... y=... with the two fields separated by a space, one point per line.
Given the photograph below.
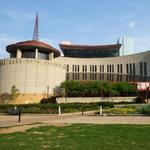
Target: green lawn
x=79 y=137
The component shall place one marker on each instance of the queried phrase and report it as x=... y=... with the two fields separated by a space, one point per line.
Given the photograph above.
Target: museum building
x=37 y=68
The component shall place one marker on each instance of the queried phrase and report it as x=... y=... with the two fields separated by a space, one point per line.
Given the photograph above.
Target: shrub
x=124 y=111
x=48 y=100
x=97 y=88
x=14 y=92
x=140 y=99
x=52 y=108
x=144 y=109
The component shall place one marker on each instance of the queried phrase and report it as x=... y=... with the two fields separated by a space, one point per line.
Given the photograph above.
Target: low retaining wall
x=23 y=99
x=93 y=99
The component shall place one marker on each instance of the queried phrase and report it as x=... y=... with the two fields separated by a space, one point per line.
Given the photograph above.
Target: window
x=43 y=55
x=130 y=68
x=145 y=69
x=67 y=76
x=107 y=68
x=112 y=68
x=118 y=68
x=13 y=55
x=103 y=68
x=91 y=53
x=141 y=68
x=134 y=68
x=84 y=76
x=90 y=68
x=73 y=78
x=73 y=68
x=127 y=68
x=84 y=68
x=121 y=69
x=28 y=54
x=78 y=68
x=100 y=68
x=67 y=68
x=95 y=68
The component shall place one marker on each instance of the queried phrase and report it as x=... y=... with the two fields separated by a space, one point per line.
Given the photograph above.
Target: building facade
x=36 y=68
x=126 y=46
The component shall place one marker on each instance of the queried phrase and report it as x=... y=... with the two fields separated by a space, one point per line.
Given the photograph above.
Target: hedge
x=53 y=108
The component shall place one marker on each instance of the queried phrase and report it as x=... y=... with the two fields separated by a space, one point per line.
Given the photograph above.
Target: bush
x=140 y=99
x=144 y=109
x=97 y=88
x=48 y=100
x=52 y=108
x=123 y=111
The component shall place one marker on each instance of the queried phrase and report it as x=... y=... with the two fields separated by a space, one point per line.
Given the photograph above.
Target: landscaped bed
x=140 y=109
x=80 y=137
x=51 y=108
x=109 y=108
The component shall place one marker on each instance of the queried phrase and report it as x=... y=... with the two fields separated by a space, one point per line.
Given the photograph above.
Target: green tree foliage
x=14 y=93
x=97 y=88
x=124 y=89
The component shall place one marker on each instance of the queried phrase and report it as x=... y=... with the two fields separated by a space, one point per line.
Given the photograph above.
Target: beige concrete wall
x=93 y=99
x=30 y=75
x=135 y=58
x=24 y=99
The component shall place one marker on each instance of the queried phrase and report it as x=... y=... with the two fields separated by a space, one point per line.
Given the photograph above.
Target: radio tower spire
x=36 y=29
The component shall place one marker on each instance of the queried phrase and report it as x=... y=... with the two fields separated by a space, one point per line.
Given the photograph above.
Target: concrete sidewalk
x=12 y=120
x=6 y=120
x=105 y=120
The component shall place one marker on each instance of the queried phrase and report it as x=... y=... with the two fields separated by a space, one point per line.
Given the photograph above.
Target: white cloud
x=135 y=5
x=131 y=24
x=128 y=16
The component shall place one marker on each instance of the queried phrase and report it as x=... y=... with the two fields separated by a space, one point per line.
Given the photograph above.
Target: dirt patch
x=19 y=128
x=23 y=128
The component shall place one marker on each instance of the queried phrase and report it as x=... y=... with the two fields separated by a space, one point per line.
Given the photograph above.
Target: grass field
x=79 y=137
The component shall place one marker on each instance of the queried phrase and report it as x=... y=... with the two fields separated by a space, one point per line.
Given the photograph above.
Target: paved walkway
x=30 y=121
x=6 y=120
x=105 y=120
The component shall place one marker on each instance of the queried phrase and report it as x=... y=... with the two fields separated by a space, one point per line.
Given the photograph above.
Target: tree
x=97 y=88
x=14 y=93
x=58 y=91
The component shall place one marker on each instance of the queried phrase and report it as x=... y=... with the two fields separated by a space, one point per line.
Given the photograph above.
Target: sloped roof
x=25 y=45
x=89 y=47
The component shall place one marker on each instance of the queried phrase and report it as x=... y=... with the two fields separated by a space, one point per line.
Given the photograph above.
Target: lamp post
x=147 y=90
x=47 y=91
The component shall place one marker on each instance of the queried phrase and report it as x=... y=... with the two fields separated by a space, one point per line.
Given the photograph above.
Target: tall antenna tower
x=36 y=29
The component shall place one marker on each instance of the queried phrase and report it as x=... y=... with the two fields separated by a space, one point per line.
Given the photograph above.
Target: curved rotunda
x=32 y=49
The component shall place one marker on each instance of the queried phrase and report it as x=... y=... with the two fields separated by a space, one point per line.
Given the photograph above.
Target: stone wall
x=93 y=99
x=24 y=99
x=30 y=76
x=129 y=59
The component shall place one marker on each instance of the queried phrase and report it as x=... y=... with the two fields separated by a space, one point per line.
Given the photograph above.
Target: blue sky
x=79 y=21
